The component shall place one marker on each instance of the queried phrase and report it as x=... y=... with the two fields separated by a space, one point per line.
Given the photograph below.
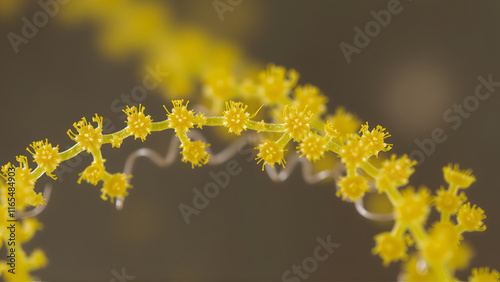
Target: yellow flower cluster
x=354 y=143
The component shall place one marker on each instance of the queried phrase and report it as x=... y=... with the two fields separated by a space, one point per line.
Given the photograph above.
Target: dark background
x=423 y=62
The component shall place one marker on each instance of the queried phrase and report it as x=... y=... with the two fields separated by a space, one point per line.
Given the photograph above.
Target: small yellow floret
x=413 y=208
x=471 y=219
x=354 y=152
x=200 y=120
x=296 y=122
x=116 y=141
x=139 y=124
x=276 y=83
x=93 y=173
x=374 y=139
x=270 y=152
x=352 y=187
x=343 y=124
x=195 y=153
x=115 y=187
x=443 y=241
x=90 y=138
x=312 y=146
x=180 y=119
x=311 y=97
x=446 y=201
x=24 y=183
x=46 y=156
x=219 y=83
x=236 y=117
x=461 y=178
x=484 y=274
x=389 y=248
x=395 y=172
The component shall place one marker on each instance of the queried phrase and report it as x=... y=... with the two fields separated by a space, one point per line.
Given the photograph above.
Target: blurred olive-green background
x=426 y=60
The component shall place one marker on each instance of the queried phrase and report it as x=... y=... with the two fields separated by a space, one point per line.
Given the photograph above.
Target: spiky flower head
x=354 y=152
x=276 y=83
x=389 y=247
x=413 y=207
x=46 y=156
x=352 y=187
x=461 y=178
x=115 y=186
x=442 y=242
x=180 y=119
x=24 y=183
x=138 y=124
x=311 y=97
x=471 y=218
x=236 y=117
x=270 y=152
x=194 y=152
x=89 y=137
x=395 y=172
x=93 y=173
x=447 y=201
x=484 y=274
x=219 y=83
x=374 y=139
x=296 y=122
x=343 y=124
x=312 y=146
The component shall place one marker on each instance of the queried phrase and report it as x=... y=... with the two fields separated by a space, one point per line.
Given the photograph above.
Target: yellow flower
x=236 y=117
x=46 y=156
x=484 y=274
x=138 y=124
x=116 y=141
x=24 y=265
x=395 y=172
x=200 y=120
x=115 y=187
x=90 y=138
x=443 y=241
x=471 y=219
x=195 y=153
x=354 y=152
x=461 y=178
x=311 y=97
x=24 y=184
x=296 y=122
x=414 y=273
x=374 y=139
x=352 y=187
x=446 y=201
x=270 y=152
x=180 y=119
x=312 y=146
x=276 y=83
x=342 y=124
x=219 y=83
x=389 y=248
x=93 y=173
x=413 y=208
x=461 y=256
